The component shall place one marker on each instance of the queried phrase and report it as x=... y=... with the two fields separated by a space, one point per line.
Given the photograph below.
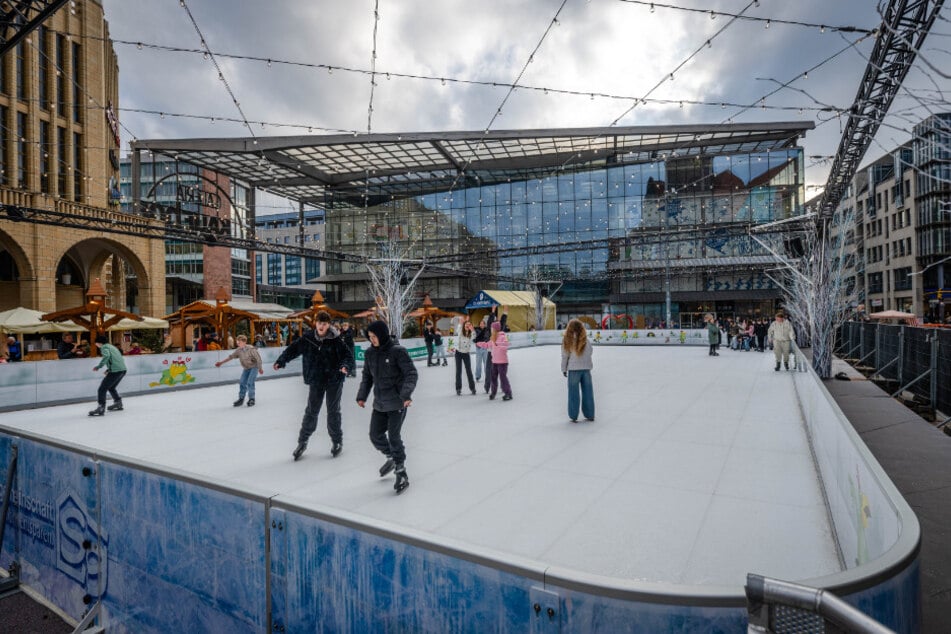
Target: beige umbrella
x=25 y=321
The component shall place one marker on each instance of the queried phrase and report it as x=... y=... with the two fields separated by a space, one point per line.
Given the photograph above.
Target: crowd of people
x=752 y=334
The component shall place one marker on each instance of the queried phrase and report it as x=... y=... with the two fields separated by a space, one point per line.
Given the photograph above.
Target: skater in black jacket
x=389 y=370
x=326 y=361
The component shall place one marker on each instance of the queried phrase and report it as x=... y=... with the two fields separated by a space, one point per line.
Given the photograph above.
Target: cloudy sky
x=619 y=50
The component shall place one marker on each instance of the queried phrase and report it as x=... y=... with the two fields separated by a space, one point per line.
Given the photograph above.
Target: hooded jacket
x=390 y=371
x=322 y=357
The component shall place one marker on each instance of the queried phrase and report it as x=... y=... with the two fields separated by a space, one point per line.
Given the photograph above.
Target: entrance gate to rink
x=906 y=358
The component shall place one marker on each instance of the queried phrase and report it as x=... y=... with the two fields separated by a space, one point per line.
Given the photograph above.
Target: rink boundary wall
x=88 y=524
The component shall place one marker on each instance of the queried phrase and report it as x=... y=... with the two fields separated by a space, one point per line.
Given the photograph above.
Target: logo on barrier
x=81 y=548
x=175 y=374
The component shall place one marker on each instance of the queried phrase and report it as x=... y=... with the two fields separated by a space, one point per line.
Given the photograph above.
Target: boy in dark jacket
x=389 y=370
x=326 y=361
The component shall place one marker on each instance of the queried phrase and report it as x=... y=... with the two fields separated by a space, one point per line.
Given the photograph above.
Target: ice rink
x=696 y=471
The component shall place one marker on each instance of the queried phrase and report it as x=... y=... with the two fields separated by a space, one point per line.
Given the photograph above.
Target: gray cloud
x=600 y=46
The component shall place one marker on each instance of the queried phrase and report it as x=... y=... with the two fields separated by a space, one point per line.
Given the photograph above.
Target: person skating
x=576 y=365
x=780 y=336
x=429 y=337
x=326 y=361
x=346 y=333
x=250 y=360
x=713 y=335
x=490 y=319
x=115 y=371
x=482 y=334
x=498 y=346
x=391 y=373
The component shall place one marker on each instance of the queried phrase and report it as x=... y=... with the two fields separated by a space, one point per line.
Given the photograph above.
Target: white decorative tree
x=813 y=283
x=390 y=284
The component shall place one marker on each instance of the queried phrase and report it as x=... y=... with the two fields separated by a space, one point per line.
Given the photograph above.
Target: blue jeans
x=481 y=354
x=246 y=384
x=579 y=381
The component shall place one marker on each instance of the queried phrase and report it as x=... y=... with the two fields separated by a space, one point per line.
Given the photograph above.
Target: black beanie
x=382 y=332
x=102 y=339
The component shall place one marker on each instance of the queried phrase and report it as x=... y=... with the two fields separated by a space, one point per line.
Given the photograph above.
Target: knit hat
x=382 y=332
x=102 y=339
x=496 y=325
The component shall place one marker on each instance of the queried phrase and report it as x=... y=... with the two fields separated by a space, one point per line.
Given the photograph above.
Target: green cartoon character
x=175 y=374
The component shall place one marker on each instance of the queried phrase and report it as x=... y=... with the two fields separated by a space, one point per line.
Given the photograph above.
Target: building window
x=274 y=269
x=21 y=73
x=77 y=86
x=43 y=82
x=311 y=270
x=292 y=270
x=77 y=167
x=902 y=279
x=258 y=272
x=46 y=149
x=22 y=149
x=875 y=283
x=61 y=154
x=61 y=75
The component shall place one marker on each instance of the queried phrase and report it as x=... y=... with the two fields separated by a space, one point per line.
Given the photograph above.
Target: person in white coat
x=780 y=336
x=465 y=333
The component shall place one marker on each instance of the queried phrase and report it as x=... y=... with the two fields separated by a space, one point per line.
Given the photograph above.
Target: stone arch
x=12 y=292
x=91 y=255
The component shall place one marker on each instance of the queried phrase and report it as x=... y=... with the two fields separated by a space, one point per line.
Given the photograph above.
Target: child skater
x=498 y=347
x=252 y=366
x=576 y=365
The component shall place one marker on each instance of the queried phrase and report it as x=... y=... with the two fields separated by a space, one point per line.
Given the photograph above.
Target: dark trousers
x=429 y=353
x=500 y=374
x=462 y=359
x=713 y=349
x=315 y=399
x=109 y=383
x=488 y=371
x=385 y=434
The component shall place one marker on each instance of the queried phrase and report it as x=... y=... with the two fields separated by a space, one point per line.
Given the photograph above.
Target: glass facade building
x=613 y=235
x=618 y=219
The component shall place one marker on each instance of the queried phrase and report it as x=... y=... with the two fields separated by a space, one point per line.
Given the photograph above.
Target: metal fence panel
x=943 y=400
x=916 y=361
x=888 y=338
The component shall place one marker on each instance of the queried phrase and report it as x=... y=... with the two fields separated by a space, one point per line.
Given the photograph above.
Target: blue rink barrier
x=161 y=551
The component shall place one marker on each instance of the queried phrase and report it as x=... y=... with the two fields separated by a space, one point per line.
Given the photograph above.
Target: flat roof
x=304 y=168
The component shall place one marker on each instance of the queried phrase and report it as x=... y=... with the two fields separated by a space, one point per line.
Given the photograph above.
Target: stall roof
x=490 y=298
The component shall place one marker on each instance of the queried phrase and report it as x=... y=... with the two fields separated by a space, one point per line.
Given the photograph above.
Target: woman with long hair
x=576 y=364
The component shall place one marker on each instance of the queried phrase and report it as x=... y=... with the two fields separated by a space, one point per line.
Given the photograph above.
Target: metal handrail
x=764 y=594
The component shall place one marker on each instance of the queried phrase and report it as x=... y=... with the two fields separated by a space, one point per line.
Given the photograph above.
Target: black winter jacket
x=391 y=373
x=322 y=357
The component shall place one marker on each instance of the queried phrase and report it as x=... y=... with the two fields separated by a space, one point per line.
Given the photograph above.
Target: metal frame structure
x=905 y=25
x=19 y=17
x=307 y=168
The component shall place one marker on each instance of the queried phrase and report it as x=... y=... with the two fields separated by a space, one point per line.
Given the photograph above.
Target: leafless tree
x=391 y=284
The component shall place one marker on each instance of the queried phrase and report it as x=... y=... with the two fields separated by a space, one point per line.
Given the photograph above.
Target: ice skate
x=99 y=411
x=301 y=448
x=401 y=480
x=239 y=402
x=116 y=406
x=336 y=449
x=387 y=467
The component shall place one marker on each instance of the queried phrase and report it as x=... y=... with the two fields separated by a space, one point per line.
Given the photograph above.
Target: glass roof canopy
x=306 y=168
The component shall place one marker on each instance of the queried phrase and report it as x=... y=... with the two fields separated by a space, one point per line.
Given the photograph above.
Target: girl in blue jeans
x=576 y=365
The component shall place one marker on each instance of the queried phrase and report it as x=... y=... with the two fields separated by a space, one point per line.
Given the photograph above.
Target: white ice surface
x=696 y=471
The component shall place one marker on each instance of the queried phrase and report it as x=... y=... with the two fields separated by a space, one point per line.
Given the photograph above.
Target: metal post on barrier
x=878 y=346
x=778 y=607
x=934 y=370
x=901 y=354
x=14 y=579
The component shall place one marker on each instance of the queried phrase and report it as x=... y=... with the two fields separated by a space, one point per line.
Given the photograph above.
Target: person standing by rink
x=713 y=334
x=576 y=364
x=482 y=334
x=780 y=335
x=250 y=360
x=326 y=362
x=465 y=333
x=498 y=347
x=389 y=370
x=115 y=370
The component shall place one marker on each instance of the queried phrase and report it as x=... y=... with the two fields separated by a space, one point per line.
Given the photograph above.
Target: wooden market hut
x=221 y=317
x=427 y=311
x=309 y=315
x=95 y=316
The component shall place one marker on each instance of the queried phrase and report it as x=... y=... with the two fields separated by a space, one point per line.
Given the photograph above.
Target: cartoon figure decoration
x=635 y=335
x=624 y=336
x=862 y=512
x=175 y=374
x=683 y=336
x=534 y=338
x=450 y=346
x=597 y=337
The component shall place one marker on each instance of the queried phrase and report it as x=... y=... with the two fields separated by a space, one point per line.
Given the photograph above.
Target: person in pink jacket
x=498 y=346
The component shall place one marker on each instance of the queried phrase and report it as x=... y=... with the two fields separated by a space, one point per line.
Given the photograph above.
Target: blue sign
x=482 y=300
